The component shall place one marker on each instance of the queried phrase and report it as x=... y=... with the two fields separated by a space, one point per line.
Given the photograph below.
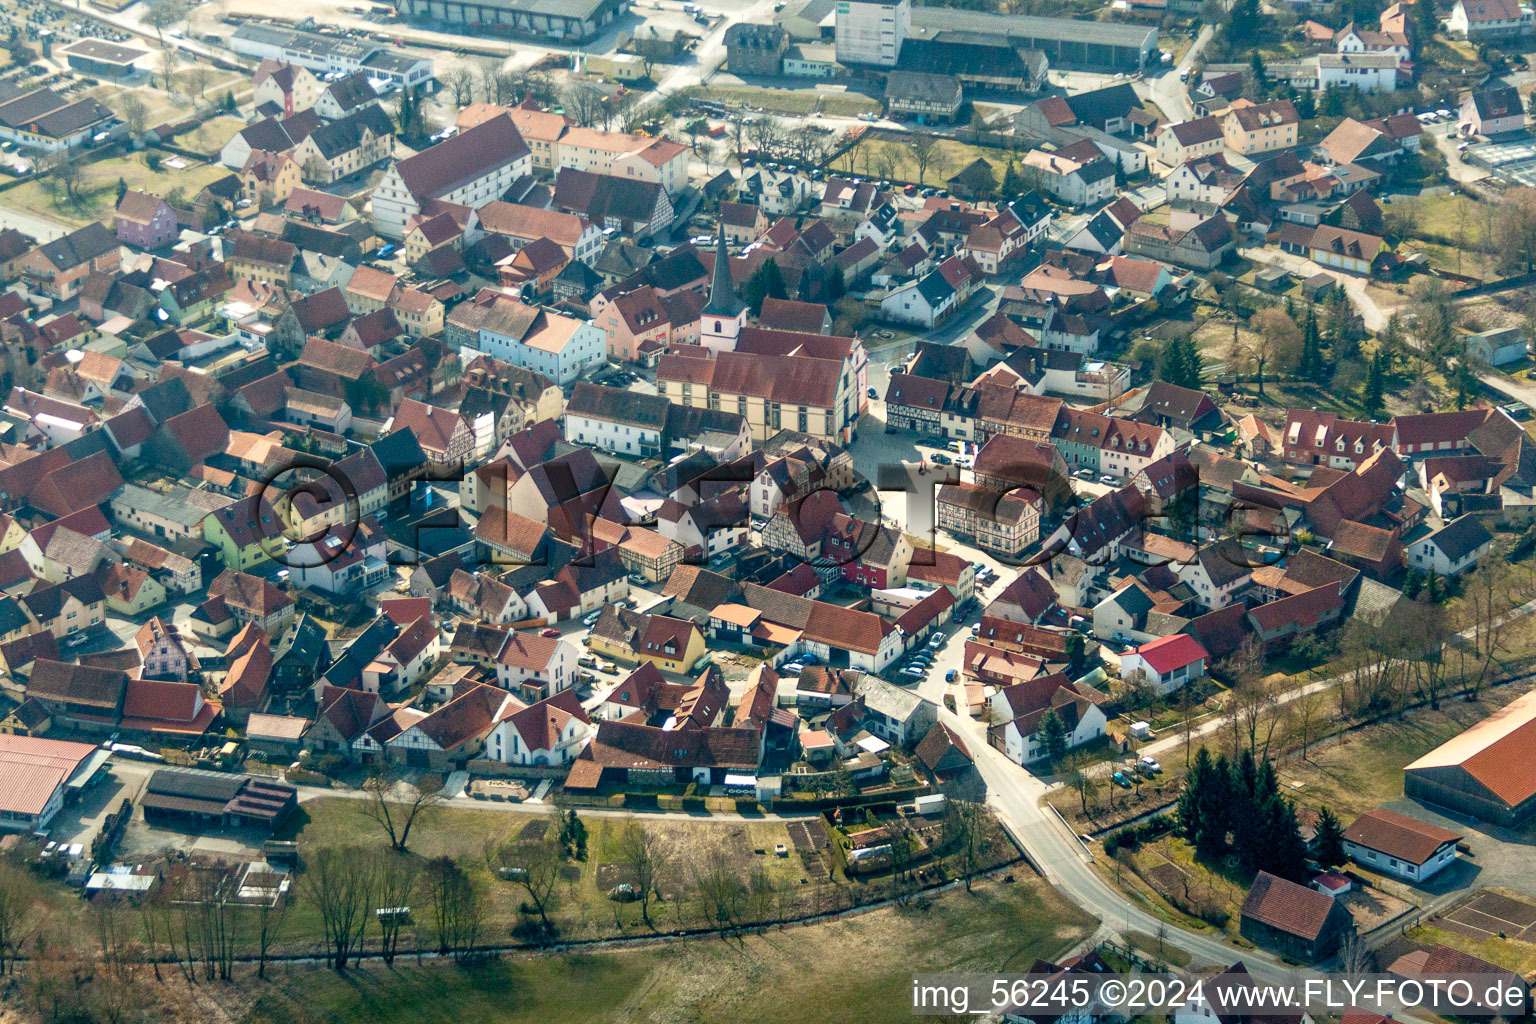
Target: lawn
x=792 y=101
x=41 y=197
x=1451 y=230
x=1364 y=769
x=210 y=136
x=802 y=884
x=864 y=962
x=950 y=156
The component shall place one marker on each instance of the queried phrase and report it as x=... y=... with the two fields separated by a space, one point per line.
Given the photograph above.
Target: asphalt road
x=1170 y=94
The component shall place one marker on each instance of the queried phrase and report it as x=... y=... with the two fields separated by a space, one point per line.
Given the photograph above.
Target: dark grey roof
x=1104 y=229
x=921 y=87
x=79 y=246
x=345 y=134
x=934 y=288
x=1503 y=101
x=754 y=37
x=618 y=405
x=352 y=91
x=927 y=21
x=1460 y=537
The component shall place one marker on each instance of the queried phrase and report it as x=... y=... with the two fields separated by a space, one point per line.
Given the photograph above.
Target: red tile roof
x=1286 y=906
x=1398 y=835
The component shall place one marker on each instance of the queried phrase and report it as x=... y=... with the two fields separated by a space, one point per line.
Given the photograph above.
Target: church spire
x=722 y=296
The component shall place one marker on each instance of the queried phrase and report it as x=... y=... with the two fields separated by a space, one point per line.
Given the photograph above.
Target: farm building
x=1487 y=772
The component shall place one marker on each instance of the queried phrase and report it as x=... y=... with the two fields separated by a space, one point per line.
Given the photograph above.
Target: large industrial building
x=327 y=54
x=565 y=21
x=38 y=777
x=1487 y=772
x=878 y=33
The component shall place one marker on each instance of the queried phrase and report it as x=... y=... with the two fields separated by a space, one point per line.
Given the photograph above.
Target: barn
x=1487 y=772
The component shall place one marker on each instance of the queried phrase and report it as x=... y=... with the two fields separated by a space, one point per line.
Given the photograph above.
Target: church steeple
x=721 y=322
x=722 y=295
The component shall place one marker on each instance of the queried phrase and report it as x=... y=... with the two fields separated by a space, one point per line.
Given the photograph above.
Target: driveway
x=1170 y=94
x=1371 y=314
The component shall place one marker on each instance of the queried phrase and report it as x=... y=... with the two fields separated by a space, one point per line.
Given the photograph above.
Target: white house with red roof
x=551 y=732
x=1166 y=663
x=537 y=666
x=1489 y=19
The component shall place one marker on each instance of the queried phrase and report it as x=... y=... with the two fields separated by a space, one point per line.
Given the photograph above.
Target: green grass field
x=43 y=198
x=863 y=964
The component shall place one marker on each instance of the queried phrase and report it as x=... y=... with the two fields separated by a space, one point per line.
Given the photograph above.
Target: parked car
x=587 y=661
x=551 y=634
x=873 y=393
x=940 y=459
x=936 y=641
x=809 y=658
x=794 y=668
x=1105 y=478
x=1085 y=474
x=1120 y=779
x=591 y=619
x=637 y=580
x=950 y=676
x=914 y=672
x=975 y=628
x=1150 y=763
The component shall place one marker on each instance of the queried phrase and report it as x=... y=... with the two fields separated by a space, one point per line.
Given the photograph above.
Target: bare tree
x=626 y=107
x=396 y=885
x=1074 y=772
x=1489 y=593
x=966 y=827
x=1186 y=705
x=340 y=884
x=720 y=892
x=162 y=14
x=133 y=112
x=584 y=103
x=767 y=134
x=736 y=122
x=1251 y=706
x=18 y=911
x=762 y=895
x=460 y=80
x=507 y=85
x=536 y=867
x=1307 y=711
x=901 y=858
x=68 y=173
x=1274 y=342
x=1355 y=957
x=397 y=805
x=1377 y=658
x=637 y=851
x=316 y=170
x=198 y=78
x=169 y=62
x=456 y=903
x=925 y=150
x=885 y=162
x=270 y=918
